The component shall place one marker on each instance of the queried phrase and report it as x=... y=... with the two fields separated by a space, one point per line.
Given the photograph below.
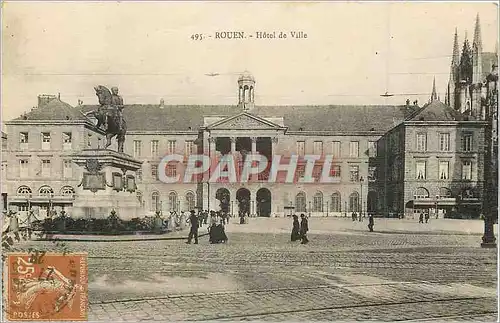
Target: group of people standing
x=299 y=230
x=216 y=231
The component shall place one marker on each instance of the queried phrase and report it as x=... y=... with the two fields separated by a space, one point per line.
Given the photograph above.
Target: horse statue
x=110 y=115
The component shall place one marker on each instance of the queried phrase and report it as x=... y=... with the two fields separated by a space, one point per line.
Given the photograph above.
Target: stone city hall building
x=387 y=159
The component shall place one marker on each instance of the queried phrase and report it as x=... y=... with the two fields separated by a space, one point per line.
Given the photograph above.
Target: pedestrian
x=353 y=215
x=194 y=228
x=295 y=228
x=426 y=217
x=304 y=227
x=421 y=218
x=371 y=222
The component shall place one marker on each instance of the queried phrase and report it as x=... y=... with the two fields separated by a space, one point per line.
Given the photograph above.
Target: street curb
x=118 y=240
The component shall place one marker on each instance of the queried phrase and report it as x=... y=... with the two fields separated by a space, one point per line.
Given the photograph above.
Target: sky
x=353 y=51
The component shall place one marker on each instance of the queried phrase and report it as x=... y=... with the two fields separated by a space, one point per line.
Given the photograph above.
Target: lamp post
x=361 y=180
x=490 y=203
x=437 y=213
x=345 y=208
x=309 y=208
x=327 y=208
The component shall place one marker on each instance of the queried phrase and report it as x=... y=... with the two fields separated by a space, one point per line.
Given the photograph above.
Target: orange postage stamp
x=46 y=286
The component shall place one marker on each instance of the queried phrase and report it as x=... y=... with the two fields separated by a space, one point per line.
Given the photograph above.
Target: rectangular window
x=154 y=148
x=444 y=142
x=444 y=169
x=171 y=170
x=467 y=170
x=46 y=167
x=189 y=148
x=138 y=174
x=301 y=169
x=154 y=171
x=354 y=149
x=421 y=142
x=23 y=168
x=372 y=149
x=420 y=170
x=354 y=173
x=45 y=140
x=137 y=148
x=23 y=137
x=318 y=148
x=89 y=140
x=372 y=173
x=67 y=140
x=336 y=149
x=67 y=168
x=467 y=142
x=335 y=171
x=171 y=146
x=301 y=148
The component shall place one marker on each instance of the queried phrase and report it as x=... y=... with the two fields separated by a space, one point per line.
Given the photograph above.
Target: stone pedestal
x=108 y=183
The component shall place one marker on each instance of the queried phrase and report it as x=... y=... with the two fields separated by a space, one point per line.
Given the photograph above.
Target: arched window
x=155 y=201
x=24 y=190
x=67 y=191
x=172 y=201
x=190 y=201
x=444 y=192
x=354 y=202
x=300 y=202
x=138 y=194
x=421 y=193
x=318 y=202
x=336 y=205
x=45 y=191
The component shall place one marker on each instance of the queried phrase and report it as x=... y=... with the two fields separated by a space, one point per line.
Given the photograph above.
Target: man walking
x=304 y=227
x=193 y=219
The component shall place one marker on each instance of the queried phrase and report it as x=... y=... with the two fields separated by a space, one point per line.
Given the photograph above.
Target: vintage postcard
x=236 y=161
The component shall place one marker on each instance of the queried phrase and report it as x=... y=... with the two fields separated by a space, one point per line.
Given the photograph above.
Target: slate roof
x=54 y=110
x=141 y=117
x=437 y=111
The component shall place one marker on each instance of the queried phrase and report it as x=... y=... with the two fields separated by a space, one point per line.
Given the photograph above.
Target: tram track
x=347 y=307
x=266 y=290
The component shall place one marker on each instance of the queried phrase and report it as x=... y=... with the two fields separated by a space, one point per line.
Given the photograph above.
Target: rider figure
x=117 y=102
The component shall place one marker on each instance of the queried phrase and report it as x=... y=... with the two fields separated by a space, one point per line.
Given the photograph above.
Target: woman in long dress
x=295 y=229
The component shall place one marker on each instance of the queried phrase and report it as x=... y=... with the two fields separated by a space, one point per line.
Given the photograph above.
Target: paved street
x=404 y=271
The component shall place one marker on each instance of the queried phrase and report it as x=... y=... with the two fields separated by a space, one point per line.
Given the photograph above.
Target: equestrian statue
x=109 y=115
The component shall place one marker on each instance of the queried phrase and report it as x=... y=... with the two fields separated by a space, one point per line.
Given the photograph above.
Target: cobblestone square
x=344 y=273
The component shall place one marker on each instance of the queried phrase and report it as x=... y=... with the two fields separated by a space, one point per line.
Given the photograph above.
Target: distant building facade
x=402 y=159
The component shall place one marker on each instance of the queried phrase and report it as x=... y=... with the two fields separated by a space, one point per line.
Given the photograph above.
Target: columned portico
x=240 y=135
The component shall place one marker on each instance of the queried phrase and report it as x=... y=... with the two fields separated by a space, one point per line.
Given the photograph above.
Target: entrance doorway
x=224 y=196
x=263 y=202
x=243 y=198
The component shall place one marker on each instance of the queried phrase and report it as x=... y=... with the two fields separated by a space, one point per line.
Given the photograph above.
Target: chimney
x=162 y=103
x=44 y=99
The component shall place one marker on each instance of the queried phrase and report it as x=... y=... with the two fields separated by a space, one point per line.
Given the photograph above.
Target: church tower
x=246 y=86
x=465 y=78
x=434 y=95
x=452 y=83
x=477 y=72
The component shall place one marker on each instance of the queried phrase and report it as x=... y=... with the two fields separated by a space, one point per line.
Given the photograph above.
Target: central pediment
x=244 y=121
